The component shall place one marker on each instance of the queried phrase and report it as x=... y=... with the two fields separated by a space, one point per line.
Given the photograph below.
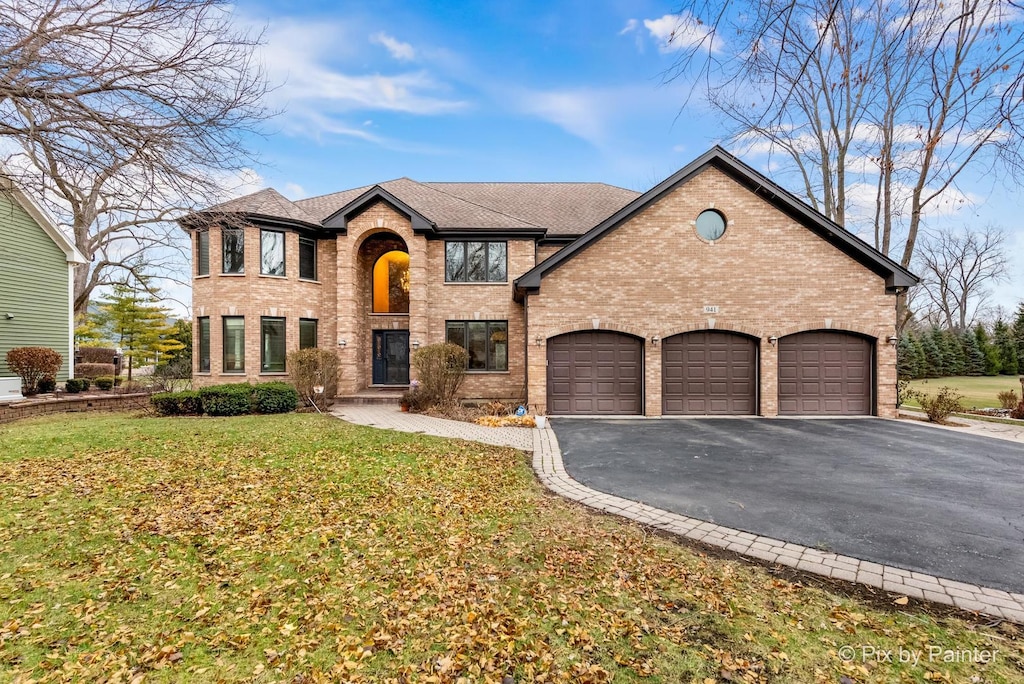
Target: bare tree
x=120 y=115
x=896 y=99
x=957 y=266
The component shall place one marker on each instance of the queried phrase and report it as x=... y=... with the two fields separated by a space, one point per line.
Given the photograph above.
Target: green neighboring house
x=37 y=265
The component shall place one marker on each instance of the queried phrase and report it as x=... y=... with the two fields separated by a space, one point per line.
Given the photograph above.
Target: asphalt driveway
x=891 y=492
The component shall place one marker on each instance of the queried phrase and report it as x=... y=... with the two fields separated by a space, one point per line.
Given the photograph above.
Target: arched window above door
x=391 y=283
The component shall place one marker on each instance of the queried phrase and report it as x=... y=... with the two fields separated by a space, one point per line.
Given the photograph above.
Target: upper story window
x=272 y=252
x=307 y=258
x=391 y=283
x=203 y=253
x=233 y=249
x=475 y=262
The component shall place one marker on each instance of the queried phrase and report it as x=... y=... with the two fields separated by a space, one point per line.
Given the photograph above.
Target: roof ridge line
x=482 y=206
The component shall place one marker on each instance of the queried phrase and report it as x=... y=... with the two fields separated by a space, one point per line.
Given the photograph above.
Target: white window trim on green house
x=46 y=223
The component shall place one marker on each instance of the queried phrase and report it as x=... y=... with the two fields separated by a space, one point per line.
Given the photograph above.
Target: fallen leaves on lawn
x=305 y=550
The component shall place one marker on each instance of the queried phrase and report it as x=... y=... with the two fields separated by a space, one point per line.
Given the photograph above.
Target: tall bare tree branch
x=902 y=98
x=121 y=114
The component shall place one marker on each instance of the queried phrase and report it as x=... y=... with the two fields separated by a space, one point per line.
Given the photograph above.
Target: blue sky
x=501 y=91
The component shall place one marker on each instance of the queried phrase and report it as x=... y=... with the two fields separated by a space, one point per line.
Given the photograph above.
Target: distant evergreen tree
x=932 y=367
x=909 y=357
x=974 y=359
x=945 y=363
x=1006 y=349
x=956 y=359
x=990 y=353
x=1018 y=334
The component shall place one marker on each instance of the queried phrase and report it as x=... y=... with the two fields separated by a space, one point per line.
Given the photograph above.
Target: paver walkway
x=970 y=426
x=547 y=463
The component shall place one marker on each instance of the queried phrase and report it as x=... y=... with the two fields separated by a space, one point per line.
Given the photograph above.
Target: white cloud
x=579 y=112
x=294 y=191
x=318 y=94
x=399 y=50
x=675 y=32
x=630 y=26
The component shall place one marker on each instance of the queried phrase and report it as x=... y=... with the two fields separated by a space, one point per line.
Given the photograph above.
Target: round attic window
x=710 y=225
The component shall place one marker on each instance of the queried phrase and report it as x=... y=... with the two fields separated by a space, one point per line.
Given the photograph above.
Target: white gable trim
x=43 y=218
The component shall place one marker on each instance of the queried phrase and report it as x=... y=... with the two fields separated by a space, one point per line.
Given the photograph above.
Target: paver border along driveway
x=891 y=492
x=548 y=465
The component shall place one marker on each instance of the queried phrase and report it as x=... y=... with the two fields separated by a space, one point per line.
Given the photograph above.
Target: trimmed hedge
x=47 y=385
x=105 y=383
x=97 y=355
x=227 y=400
x=186 y=403
x=274 y=397
x=76 y=385
x=234 y=399
x=94 y=370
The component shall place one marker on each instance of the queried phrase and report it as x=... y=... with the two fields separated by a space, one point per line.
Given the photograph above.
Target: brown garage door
x=709 y=373
x=825 y=373
x=592 y=373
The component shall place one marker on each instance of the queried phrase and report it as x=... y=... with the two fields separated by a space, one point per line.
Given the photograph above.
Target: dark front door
x=390 y=357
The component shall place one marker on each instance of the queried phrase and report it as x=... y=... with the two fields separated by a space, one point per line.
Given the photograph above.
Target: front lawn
x=299 y=548
x=979 y=392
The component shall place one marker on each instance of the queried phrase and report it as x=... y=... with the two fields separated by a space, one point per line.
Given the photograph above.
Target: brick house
x=716 y=292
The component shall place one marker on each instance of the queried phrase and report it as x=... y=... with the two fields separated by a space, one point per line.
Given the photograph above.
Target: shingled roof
x=266 y=203
x=562 y=209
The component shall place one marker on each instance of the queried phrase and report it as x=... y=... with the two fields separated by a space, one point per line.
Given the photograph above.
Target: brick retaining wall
x=73 y=404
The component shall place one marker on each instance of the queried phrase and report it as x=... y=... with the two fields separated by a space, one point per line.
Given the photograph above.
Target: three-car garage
x=710 y=372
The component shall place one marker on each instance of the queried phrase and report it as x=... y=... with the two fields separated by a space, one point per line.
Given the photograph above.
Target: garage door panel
x=825 y=372
x=718 y=374
x=595 y=372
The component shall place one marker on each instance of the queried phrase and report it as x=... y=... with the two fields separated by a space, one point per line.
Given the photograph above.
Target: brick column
x=347 y=322
x=652 y=378
x=418 y=306
x=769 y=372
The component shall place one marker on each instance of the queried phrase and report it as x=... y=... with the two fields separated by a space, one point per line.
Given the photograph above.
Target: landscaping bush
x=311 y=367
x=274 y=397
x=942 y=405
x=94 y=370
x=32 y=364
x=441 y=369
x=227 y=400
x=1008 y=399
x=76 y=385
x=47 y=384
x=105 y=383
x=1018 y=412
x=186 y=403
